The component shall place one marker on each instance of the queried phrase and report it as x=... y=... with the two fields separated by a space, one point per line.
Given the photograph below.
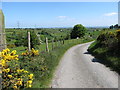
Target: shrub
x=107 y=49
x=11 y=46
x=107 y=38
x=22 y=39
x=33 y=52
x=118 y=34
x=34 y=39
x=13 y=76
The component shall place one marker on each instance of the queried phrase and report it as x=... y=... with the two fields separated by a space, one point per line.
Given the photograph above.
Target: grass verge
x=44 y=65
x=108 y=56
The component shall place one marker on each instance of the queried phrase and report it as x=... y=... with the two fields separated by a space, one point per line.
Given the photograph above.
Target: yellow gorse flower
x=25 y=71
x=30 y=76
x=29 y=86
x=19 y=79
x=13 y=52
x=7 y=50
x=29 y=82
x=19 y=83
x=19 y=71
x=3 y=63
x=7 y=56
x=0 y=54
x=33 y=52
x=15 y=87
x=10 y=76
x=6 y=70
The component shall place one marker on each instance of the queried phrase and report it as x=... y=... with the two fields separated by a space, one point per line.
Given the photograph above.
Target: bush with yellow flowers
x=13 y=76
x=35 y=63
x=118 y=34
x=33 y=52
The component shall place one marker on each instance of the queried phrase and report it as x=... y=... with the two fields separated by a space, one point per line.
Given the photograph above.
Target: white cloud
x=110 y=14
x=65 y=18
x=62 y=17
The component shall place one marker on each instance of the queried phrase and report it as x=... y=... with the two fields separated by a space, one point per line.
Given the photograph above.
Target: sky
x=60 y=0
x=59 y=14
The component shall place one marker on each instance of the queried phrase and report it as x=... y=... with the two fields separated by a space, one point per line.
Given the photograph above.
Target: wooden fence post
x=59 y=43
x=2 y=32
x=2 y=40
x=63 y=42
x=52 y=43
x=47 y=48
x=29 y=45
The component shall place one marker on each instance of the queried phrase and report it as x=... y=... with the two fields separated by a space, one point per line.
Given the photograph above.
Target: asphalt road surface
x=78 y=69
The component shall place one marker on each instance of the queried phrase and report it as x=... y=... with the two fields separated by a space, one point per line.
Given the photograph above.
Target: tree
x=78 y=31
x=22 y=39
x=34 y=39
x=111 y=27
x=116 y=26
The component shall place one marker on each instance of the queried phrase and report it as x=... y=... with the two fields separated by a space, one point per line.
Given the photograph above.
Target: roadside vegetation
x=13 y=75
x=39 y=62
x=107 y=48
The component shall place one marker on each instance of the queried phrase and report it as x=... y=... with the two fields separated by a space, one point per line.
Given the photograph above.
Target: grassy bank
x=43 y=66
x=107 y=49
x=52 y=61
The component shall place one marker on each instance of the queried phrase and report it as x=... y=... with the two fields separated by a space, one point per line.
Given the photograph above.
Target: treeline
x=114 y=26
x=18 y=36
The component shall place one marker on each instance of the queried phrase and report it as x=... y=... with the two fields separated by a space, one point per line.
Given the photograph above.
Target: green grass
x=50 y=60
x=19 y=49
x=108 y=56
x=42 y=47
x=55 y=33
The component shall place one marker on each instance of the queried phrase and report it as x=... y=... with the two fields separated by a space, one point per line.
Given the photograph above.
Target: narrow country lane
x=78 y=69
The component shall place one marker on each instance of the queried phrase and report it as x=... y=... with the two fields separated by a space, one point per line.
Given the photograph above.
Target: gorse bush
x=14 y=76
x=33 y=62
x=118 y=37
x=107 y=49
x=11 y=46
x=108 y=39
x=33 y=52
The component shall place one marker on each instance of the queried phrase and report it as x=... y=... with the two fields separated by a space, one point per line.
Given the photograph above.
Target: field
x=44 y=65
x=58 y=34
